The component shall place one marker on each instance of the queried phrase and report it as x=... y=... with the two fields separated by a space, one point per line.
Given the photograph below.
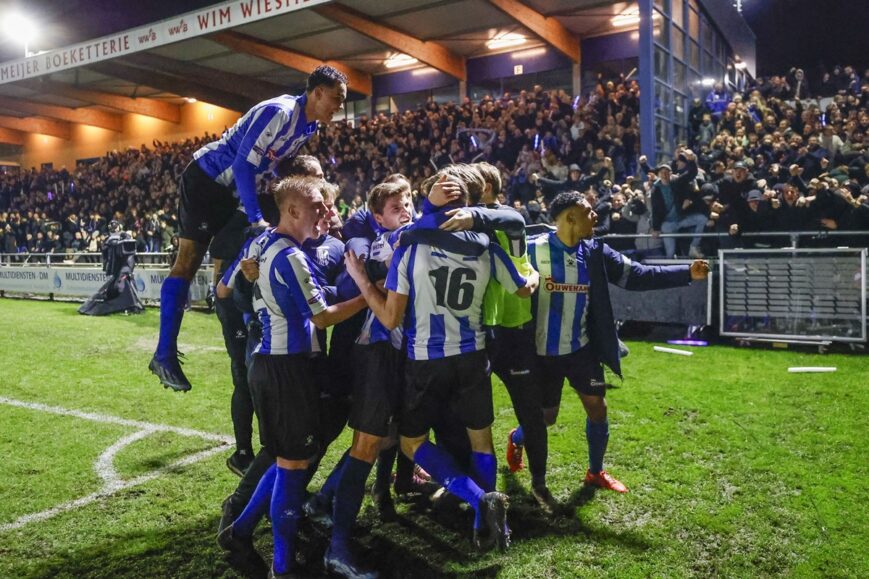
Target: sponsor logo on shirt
x=313 y=300
x=553 y=286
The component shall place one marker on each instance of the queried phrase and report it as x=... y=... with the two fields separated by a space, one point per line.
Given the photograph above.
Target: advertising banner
x=189 y=25
x=85 y=281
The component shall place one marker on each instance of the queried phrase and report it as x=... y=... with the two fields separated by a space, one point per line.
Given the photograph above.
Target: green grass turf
x=736 y=468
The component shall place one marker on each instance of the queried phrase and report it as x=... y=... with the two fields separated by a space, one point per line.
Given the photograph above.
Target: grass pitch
x=736 y=468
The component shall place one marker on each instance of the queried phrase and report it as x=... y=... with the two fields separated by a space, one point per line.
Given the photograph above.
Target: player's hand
x=355 y=266
x=699 y=269
x=250 y=269
x=444 y=191
x=459 y=220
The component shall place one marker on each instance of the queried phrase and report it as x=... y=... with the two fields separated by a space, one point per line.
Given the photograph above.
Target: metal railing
x=81 y=259
x=162 y=258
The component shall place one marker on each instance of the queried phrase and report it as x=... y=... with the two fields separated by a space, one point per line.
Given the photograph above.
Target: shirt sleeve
x=503 y=270
x=296 y=288
x=234 y=269
x=264 y=128
x=398 y=278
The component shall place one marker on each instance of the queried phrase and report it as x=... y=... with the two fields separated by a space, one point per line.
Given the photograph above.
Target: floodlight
x=20 y=29
x=506 y=40
x=399 y=60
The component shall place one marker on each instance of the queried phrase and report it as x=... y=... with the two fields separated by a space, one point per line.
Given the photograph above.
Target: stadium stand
x=807 y=167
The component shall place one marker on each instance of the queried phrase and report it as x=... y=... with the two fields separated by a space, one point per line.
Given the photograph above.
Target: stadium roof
x=240 y=65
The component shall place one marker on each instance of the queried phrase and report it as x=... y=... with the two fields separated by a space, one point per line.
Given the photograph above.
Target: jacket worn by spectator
x=680 y=186
x=552 y=187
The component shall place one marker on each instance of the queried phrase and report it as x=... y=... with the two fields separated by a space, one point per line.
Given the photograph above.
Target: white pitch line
x=105 y=466
x=108 y=419
x=106 y=492
x=112 y=482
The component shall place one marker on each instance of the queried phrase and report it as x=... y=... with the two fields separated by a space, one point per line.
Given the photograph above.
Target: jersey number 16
x=453 y=287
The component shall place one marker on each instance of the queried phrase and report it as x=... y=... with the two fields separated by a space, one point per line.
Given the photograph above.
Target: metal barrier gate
x=793 y=295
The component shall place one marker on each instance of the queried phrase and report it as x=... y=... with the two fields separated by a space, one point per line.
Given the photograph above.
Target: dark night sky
x=789 y=32
x=805 y=33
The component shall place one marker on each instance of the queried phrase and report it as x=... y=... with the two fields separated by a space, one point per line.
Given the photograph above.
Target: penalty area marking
x=104 y=466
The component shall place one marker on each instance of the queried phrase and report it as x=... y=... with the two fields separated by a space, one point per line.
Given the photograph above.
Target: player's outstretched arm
x=389 y=308
x=335 y=314
x=634 y=276
x=506 y=274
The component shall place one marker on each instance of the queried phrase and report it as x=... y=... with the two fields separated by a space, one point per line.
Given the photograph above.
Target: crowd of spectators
x=62 y=211
x=770 y=158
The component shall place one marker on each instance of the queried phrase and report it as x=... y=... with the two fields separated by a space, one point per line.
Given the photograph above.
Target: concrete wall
x=87 y=141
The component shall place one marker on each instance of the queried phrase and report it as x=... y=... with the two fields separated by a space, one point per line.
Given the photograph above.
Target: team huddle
x=422 y=309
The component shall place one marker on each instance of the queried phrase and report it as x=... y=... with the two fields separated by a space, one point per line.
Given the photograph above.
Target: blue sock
x=286 y=509
x=348 y=500
x=439 y=464
x=484 y=470
x=255 y=509
x=598 y=435
x=173 y=297
x=518 y=436
x=331 y=484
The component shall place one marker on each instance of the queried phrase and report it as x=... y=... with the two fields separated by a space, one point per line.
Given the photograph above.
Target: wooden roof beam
x=356 y=79
x=141 y=106
x=431 y=53
x=85 y=116
x=549 y=29
x=254 y=89
x=52 y=128
x=174 y=85
x=11 y=137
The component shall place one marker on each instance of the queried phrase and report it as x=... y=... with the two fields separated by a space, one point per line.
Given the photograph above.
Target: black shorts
x=229 y=241
x=457 y=383
x=511 y=353
x=582 y=370
x=205 y=206
x=286 y=398
x=377 y=388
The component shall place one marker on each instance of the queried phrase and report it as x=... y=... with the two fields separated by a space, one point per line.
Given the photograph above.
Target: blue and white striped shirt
x=286 y=297
x=444 y=314
x=372 y=330
x=252 y=147
x=250 y=250
x=560 y=305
